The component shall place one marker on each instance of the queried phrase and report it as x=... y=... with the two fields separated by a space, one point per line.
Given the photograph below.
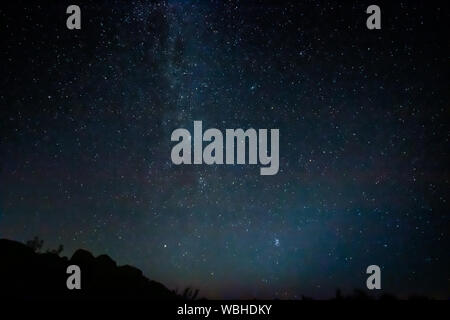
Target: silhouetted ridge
x=82 y=255
x=25 y=273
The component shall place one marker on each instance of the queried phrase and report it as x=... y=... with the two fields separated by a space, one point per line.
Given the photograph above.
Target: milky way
x=86 y=119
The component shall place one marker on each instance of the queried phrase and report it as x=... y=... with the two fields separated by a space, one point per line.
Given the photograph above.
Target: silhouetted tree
x=35 y=244
x=57 y=251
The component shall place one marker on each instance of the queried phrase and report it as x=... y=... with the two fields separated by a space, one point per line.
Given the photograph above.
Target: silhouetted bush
x=35 y=244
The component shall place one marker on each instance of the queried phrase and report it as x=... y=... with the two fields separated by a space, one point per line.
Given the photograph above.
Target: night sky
x=86 y=118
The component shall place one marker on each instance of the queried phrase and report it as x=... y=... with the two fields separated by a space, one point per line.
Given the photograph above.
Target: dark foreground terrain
x=27 y=274
x=35 y=283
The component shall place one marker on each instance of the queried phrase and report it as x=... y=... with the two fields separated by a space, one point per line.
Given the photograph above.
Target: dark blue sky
x=86 y=119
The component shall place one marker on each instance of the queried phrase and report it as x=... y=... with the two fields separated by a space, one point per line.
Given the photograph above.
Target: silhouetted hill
x=30 y=275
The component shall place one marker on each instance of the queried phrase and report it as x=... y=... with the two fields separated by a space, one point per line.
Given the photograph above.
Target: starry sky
x=86 y=118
